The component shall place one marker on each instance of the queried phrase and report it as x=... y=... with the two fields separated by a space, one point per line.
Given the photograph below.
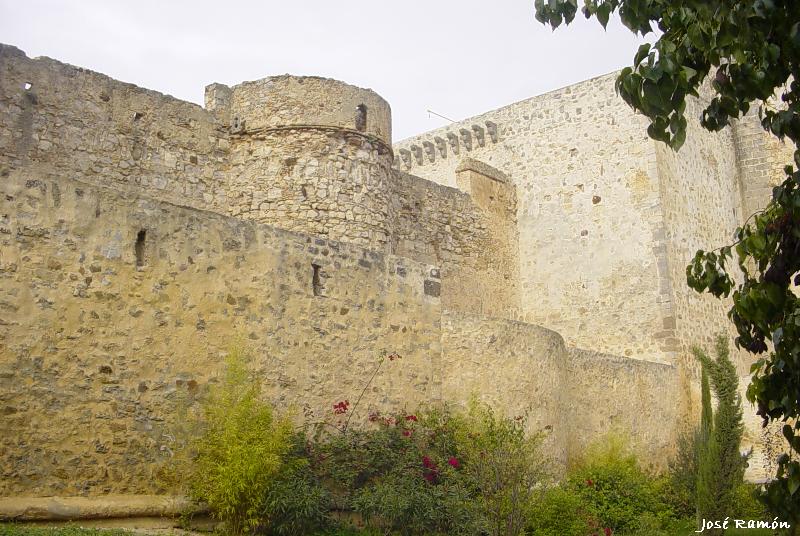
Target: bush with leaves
x=614 y=488
x=681 y=492
x=604 y=493
x=296 y=502
x=434 y=472
x=399 y=476
x=504 y=463
x=242 y=449
x=560 y=512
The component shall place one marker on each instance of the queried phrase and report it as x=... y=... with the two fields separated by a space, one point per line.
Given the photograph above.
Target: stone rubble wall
x=638 y=400
x=475 y=248
x=333 y=184
x=142 y=237
x=79 y=123
x=280 y=101
x=95 y=352
x=701 y=205
x=518 y=369
x=295 y=161
x=708 y=189
x=761 y=158
x=576 y=396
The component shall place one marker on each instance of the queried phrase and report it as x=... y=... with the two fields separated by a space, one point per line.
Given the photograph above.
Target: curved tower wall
x=308 y=154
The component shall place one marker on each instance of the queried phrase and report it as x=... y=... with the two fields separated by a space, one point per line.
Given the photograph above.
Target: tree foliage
x=720 y=464
x=750 y=50
x=703 y=496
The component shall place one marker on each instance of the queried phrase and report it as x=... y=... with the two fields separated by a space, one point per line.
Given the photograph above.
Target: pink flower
x=453 y=461
x=427 y=462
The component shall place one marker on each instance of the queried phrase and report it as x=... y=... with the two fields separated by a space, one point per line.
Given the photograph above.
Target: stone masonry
x=531 y=256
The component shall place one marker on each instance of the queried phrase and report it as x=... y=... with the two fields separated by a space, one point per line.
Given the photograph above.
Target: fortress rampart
x=531 y=256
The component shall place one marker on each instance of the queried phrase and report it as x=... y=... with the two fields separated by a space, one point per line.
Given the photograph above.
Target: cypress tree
x=720 y=464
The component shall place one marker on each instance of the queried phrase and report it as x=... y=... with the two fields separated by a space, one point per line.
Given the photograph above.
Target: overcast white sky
x=456 y=57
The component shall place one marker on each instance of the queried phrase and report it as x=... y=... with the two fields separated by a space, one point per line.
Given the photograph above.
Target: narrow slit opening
x=316 y=280
x=139 y=247
x=361 y=117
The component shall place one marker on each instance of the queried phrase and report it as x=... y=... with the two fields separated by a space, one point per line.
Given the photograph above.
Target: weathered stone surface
x=106 y=507
x=94 y=377
x=608 y=220
x=141 y=236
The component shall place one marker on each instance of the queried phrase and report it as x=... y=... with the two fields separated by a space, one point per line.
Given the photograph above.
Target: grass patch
x=14 y=529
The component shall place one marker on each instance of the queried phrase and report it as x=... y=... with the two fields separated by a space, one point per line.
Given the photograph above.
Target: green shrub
x=681 y=493
x=652 y=525
x=398 y=477
x=435 y=472
x=614 y=490
x=560 y=512
x=243 y=448
x=746 y=504
x=296 y=503
x=504 y=463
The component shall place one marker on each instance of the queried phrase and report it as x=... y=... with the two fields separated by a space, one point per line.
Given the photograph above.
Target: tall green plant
x=704 y=495
x=721 y=466
x=242 y=449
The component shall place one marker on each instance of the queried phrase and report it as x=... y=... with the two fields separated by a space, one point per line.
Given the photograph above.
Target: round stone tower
x=308 y=154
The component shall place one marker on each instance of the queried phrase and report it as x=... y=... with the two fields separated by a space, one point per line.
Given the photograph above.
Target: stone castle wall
x=652 y=394
x=101 y=338
x=591 y=233
x=307 y=171
x=527 y=368
x=475 y=247
x=141 y=236
x=327 y=183
x=761 y=159
x=95 y=349
x=310 y=154
x=606 y=212
x=78 y=123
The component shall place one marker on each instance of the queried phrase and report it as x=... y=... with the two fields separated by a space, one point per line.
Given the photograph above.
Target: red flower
x=373 y=417
x=590 y=483
x=393 y=356
x=341 y=407
x=407 y=433
x=428 y=463
x=607 y=531
x=388 y=421
x=453 y=461
x=411 y=418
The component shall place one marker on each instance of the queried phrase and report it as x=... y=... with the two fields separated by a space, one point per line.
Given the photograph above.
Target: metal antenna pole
x=439 y=115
